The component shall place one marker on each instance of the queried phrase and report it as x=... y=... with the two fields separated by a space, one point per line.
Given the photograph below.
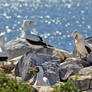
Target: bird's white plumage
x=28 y=35
x=33 y=40
x=31 y=37
x=41 y=81
x=3 y=51
x=80 y=44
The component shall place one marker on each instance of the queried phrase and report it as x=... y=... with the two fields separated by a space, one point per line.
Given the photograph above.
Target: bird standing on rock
x=82 y=46
x=34 y=41
x=3 y=52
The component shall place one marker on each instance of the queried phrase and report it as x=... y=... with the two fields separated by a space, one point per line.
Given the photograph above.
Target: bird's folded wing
x=33 y=37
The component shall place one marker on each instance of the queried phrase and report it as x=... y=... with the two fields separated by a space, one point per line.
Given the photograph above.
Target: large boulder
x=48 y=62
x=83 y=79
x=17 y=48
x=62 y=54
x=70 y=67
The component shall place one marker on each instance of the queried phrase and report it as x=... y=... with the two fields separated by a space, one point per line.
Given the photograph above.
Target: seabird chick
x=82 y=46
x=41 y=80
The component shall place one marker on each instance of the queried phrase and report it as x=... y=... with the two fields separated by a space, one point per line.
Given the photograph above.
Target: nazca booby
x=33 y=40
x=81 y=45
x=3 y=52
x=41 y=80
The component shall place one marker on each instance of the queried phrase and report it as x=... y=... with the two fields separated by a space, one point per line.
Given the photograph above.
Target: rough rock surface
x=89 y=58
x=70 y=67
x=31 y=59
x=83 y=79
x=44 y=88
x=17 y=48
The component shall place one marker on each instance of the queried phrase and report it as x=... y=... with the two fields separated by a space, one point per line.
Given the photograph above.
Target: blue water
x=56 y=19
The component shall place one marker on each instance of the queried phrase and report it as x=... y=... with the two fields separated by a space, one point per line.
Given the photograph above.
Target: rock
x=73 y=60
x=89 y=58
x=51 y=70
x=70 y=67
x=32 y=59
x=17 y=48
x=62 y=54
x=44 y=88
x=68 y=70
x=83 y=79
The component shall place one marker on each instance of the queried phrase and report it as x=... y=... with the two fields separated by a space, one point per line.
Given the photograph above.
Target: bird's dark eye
x=38 y=69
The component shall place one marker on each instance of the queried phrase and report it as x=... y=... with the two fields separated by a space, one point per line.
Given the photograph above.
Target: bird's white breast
x=80 y=46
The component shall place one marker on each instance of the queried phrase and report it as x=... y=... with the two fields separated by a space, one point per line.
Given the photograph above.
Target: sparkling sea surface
x=56 y=20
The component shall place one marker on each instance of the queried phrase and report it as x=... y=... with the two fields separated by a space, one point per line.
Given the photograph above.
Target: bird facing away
x=41 y=80
x=34 y=41
x=3 y=52
x=82 y=46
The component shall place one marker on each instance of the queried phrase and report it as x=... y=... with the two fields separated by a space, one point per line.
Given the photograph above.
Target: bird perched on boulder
x=3 y=52
x=82 y=46
x=33 y=40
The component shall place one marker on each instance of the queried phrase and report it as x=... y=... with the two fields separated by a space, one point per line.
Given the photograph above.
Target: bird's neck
x=39 y=75
x=26 y=28
x=1 y=44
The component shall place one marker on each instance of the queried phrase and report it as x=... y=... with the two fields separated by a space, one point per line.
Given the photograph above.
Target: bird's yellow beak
x=32 y=22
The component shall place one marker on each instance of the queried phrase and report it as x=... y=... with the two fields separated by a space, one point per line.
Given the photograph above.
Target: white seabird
x=34 y=41
x=41 y=80
x=81 y=45
x=3 y=52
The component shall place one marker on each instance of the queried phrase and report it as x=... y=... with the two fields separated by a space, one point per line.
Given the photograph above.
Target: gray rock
x=89 y=58
x=62 y=54
x=44 y=88
x=31 y=59
x=70 y=67
x=83 y=79
x=68 y=70
x=17 y=48
x=73 y=60
x=51 y=70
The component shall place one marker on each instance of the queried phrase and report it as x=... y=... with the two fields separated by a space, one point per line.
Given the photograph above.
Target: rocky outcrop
x=89 y=58
x=70 y=67
x=50 y=65
x=58 y=65
x=44 y=88
x=62 y=54
x=17 y=48
x=83 y=79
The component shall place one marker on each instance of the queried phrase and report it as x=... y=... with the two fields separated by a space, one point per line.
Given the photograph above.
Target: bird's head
x=28 y=22
x=77 y=36
x=40 y=69
x=37 y=69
